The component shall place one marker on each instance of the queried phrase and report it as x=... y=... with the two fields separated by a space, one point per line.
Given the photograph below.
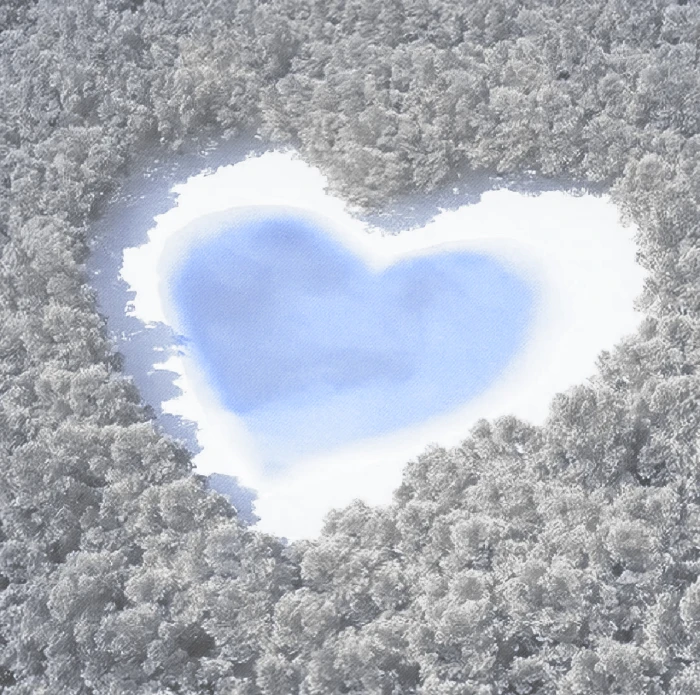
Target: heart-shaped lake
x=314 y=349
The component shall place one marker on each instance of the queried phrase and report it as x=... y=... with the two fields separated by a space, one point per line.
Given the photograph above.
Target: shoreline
x=522 y=231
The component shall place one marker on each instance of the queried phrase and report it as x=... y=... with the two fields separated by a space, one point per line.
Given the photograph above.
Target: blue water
x=312 y=349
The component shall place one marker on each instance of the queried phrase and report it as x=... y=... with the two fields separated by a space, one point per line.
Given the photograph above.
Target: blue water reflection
x=314 y=350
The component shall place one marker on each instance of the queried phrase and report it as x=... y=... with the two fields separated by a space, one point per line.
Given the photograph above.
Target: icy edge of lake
x=571 y=247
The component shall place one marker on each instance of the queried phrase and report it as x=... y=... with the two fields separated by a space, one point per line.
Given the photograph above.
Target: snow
x=573 y=248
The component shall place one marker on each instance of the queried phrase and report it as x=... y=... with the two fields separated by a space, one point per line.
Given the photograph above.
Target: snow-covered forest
x=529 y=560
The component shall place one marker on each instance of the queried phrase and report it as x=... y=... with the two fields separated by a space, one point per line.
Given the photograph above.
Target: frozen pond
x=319 y=353
x=313 y=349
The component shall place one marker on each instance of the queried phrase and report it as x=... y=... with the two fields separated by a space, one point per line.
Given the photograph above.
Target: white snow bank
x=572 y=248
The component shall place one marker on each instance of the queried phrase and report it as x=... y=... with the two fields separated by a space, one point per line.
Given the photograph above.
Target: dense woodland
x=562 y=559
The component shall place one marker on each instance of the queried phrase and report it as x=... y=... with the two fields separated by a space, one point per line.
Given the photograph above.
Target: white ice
x=573 y=248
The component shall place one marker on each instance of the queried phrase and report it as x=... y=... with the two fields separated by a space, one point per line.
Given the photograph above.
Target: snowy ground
x=572 y=247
